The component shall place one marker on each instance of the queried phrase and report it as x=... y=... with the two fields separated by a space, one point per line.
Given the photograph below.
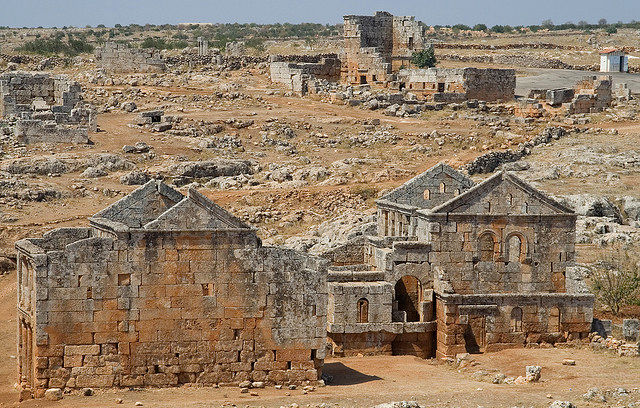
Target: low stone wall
x=37 y=131
x=121 y=58
x=19 y=90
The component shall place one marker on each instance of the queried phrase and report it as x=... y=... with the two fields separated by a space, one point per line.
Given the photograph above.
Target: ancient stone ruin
x=458 y=84
x=378 y=45
x=45 y=108
x=377 y=54
x=161 y=290
x=298 y=75
x=458 y=267
x=116 y=57
x=591 y=95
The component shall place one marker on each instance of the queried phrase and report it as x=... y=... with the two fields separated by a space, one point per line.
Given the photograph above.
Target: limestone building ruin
x=592 y=94
x=458 y=84
x=161 y=290
x=458 y=267
x=377 y=46
x=298 y=75
x=116 y=57
x=45 y=108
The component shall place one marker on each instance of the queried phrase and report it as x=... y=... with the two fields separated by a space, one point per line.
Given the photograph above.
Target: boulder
x=53 y=394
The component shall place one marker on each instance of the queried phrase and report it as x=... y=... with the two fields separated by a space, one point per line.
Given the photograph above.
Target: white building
x=614 y=60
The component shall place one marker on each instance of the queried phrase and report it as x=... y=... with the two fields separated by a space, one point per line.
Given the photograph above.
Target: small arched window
x=427 y=194
x=510 y=199
x=487 y=247
x=363 y=311
x=516 y=320
x=525 y=208
x=443 y=188
x=457 y=191
x=515 y=248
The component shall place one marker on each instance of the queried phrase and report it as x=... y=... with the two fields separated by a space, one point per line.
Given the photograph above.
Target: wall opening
x=363 y=79
x=363 y=311
x=487 y=246
x=554 y=320
x=443 y=188
x=440 y=86
x=408 y=294
x=427 y=194
x=516 y=320
x=515 y=249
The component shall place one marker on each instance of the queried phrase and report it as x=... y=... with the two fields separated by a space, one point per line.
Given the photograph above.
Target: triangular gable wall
x=413 y=191
x=195 y=213
x=503 y=193
x=142 y=205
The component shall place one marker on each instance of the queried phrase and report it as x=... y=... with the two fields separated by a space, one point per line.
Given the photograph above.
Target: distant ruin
x=46 y=108
x=116 y=57
x=458 y=84
x=377 y=53
x=590 y=95
x=162 y=290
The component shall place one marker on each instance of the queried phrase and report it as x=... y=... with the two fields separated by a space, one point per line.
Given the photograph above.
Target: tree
x=615 y=279
x=425 y=58
x=611 y=29
x=547 y=23
x=602 y=22
x=480 y=27
x=582 y=23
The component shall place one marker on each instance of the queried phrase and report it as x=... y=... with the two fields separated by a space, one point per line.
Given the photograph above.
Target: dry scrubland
x=313 y=161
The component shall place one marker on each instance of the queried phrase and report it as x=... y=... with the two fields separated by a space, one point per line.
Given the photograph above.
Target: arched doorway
x=408 y=294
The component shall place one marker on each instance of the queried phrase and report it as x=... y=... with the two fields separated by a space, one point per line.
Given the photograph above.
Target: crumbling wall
x=458 y=84
x=46 y=108
x=118 y=57
x=172 y=308
x=296 y=76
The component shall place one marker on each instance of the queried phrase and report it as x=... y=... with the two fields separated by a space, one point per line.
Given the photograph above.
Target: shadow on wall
x=343 y=375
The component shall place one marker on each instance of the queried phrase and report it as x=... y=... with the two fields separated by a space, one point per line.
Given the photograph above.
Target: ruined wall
x=377 y=45
x=37 y=131
x=296 y=76
x=117 y=57
x=456 y=84
x=19 y=90
x=484 y=323
x=168 y=308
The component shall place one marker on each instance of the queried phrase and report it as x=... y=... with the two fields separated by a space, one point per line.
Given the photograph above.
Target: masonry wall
x=164 y=309
x=37 y=131
x=484 y=323
x=295 y=76
x=457 y=84
x=117 y=57
x=18 y=90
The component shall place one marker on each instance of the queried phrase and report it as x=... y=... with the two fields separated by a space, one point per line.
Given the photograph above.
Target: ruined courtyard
x=330 y=227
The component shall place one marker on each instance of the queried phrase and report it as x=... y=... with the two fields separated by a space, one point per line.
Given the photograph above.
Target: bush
x=425 y=58
x=162 y=44
x=615 y=279
x=51 y=46
x=611 y=30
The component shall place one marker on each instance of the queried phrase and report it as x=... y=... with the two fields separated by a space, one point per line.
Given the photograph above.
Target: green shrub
x=615 y=279
x=425 y=58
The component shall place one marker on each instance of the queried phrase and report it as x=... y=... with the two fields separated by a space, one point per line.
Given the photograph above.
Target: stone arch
x=516 y=247
x=555 y=315
x=408 y=295
x=487 y=245
x=363 y=311
x=443 y=188
x=427 y=194
x=516 y=320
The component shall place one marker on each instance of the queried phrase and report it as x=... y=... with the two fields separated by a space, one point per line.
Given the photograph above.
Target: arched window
x=443 y=188
x=427 y=194
x=363 y=311
x=554 y=320
x=525 y=208
x=515 y=248
x=457 y=191
x=510 y=199
x=487 y=247
x=516 y=320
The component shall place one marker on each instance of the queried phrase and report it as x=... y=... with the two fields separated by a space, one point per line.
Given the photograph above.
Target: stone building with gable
x=161 y=290
x=459 y=267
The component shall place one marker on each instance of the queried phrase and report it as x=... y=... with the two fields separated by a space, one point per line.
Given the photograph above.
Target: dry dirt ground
x=367 y=381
